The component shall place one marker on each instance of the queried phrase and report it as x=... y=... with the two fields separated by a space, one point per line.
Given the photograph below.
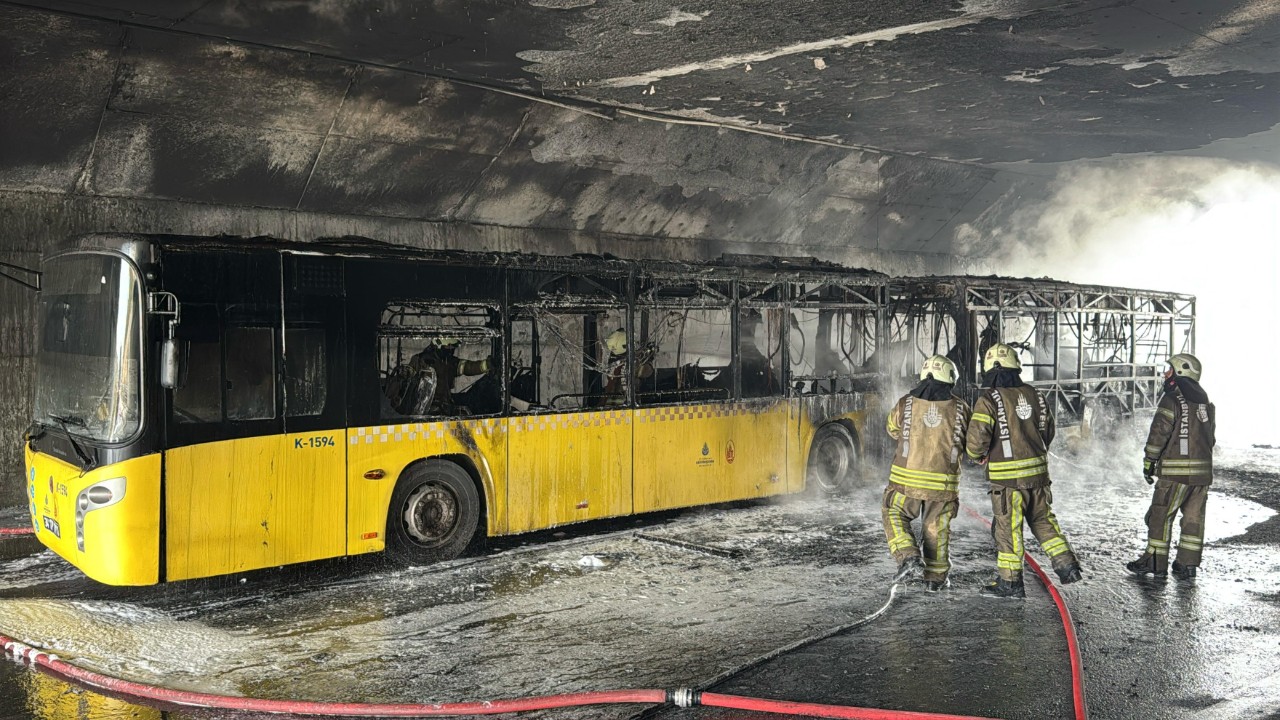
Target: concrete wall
x=106 y=127
x=17 y=369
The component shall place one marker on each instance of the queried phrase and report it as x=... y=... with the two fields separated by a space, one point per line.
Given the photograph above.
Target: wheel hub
x=431 y=514
x=833 y=461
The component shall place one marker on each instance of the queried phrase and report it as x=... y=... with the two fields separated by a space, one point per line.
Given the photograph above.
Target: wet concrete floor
x=697 y=599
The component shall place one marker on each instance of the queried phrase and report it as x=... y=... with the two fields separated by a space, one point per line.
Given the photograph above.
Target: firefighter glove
x=1148 y=472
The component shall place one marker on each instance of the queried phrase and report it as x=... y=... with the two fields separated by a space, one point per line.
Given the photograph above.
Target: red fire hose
x=1073 y=648
x=16 y=531
x=304 y=707
x=681 y=698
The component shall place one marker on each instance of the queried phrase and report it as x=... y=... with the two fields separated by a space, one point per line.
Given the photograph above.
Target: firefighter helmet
x=446 y=342
x=617 y=342
x=1186 y=365
x=1002 y=355
x=939 y=368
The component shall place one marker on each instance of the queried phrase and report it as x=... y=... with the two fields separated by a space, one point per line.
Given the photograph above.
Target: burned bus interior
x=1095 y=351
x=425 y=334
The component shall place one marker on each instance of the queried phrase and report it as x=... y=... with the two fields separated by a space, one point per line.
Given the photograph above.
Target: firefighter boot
x=1068 y=574
x=1184 y=572
x=937 y=585
x=1002 y=588
x=909 y=569
x=1145 y=565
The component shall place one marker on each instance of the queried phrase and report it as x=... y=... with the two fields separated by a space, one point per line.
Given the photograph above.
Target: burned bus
x=207 y=406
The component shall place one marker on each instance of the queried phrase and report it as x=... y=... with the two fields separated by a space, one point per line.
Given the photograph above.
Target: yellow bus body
x=245 y=504
x=250 y=503
x=121 y=541
x=387 y=450
x=700 y=454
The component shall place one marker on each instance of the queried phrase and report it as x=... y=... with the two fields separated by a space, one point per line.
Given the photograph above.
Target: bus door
x=237 y=494
x=569 y=434
x=314 y=397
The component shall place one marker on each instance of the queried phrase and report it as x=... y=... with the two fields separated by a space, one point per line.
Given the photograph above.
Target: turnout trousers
x=898 y=511
x=1168 y=498
x=1010 y=507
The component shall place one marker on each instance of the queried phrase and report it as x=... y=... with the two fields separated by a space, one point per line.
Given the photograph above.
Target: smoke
x=1207 y=227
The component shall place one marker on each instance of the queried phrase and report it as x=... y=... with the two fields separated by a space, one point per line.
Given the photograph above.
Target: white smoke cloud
x=1206 y=227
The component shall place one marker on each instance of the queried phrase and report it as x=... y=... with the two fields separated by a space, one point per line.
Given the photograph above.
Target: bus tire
x=833 y=460
x=434 y=513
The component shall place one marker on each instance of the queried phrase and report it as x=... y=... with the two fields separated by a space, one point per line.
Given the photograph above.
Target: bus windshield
x=88 y=375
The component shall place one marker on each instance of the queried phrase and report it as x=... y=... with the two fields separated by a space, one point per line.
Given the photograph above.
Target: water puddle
x=1229 y=516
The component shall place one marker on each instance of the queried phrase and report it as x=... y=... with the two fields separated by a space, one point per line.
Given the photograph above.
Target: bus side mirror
x=166 y=305
x=169 y=364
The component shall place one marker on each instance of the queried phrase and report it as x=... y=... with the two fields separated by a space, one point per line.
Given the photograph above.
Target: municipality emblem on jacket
x=1023 y=408
x=1202 y=412
x=932 y=417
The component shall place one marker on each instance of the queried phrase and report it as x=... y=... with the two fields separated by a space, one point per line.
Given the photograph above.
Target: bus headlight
x=96 y=497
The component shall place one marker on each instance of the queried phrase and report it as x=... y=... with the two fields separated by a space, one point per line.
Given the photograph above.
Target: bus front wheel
x=833 y=460
x=434 y=512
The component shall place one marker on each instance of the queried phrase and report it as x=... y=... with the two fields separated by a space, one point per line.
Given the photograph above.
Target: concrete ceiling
x=871 y=126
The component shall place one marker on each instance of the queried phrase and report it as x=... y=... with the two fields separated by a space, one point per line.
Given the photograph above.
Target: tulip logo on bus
x=706 y=459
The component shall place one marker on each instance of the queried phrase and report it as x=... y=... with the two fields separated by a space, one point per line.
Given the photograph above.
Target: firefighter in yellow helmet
x=1010 y=433
x=615 y=391
x=1180 y=452
x=928 y=424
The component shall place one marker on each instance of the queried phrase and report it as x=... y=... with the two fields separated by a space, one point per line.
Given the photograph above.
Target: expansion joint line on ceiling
x=81 y=185
x=452 y=214
x=33 y=285
x=333 y=122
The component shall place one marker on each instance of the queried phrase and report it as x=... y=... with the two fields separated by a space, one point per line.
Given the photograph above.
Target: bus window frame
x=853 y=378
x=315 y=298
x=784 y=364
x=731 y=324
x=228 y=316
x=569 y=305
x=497 y=337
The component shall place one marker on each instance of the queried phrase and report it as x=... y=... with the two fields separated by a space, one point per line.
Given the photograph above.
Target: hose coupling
x=684 y=697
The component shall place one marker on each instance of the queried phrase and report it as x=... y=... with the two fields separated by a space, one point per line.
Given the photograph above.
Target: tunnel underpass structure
x=710 y=221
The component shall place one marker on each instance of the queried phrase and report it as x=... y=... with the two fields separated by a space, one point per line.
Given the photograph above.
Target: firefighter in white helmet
x=1180 y=453
x=929 y=425
x=1010 y=433
x=424 y=386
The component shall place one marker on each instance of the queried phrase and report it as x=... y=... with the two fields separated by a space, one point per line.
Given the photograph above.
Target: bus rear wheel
x=434 y=513
x=833 y=460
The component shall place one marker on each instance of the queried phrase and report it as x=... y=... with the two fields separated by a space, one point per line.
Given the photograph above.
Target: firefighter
x=425 y=386
x=615 y=392
x=1010 y=433
x=928 y=424
x=1180 y=452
